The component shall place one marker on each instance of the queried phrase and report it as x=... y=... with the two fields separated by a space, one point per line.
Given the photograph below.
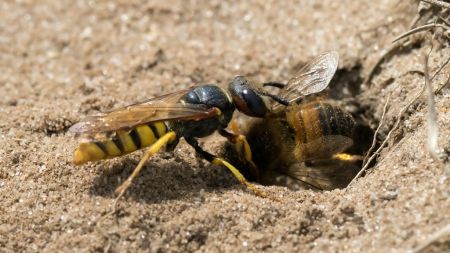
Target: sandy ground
x=62 y=60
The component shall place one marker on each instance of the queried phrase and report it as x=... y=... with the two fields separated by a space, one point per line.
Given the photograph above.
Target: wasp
x=305 y=139
x=162 y=121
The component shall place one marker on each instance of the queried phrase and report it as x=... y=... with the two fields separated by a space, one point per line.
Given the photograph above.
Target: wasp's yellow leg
x=161 y=142
x=242 y=148
x=237 y=174
x=347 y=157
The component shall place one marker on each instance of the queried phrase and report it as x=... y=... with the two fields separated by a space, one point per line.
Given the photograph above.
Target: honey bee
x=304 y=139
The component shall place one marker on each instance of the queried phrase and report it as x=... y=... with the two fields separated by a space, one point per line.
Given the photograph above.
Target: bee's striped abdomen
x=122 y=143
x=319 y=128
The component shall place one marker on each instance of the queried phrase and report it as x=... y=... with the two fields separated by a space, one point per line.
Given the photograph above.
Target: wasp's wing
x=311 y=78
x=166 y=107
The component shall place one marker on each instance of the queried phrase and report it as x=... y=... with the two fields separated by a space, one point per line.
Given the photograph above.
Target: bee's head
x=246 y=99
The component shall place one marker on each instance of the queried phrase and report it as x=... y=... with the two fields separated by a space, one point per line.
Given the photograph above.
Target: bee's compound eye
x=246 y=99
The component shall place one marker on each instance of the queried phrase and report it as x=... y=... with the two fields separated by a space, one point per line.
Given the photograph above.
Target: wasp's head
x=246 y=99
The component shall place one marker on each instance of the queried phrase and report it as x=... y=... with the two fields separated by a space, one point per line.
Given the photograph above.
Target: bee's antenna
x=275 y=97
x=275 y=84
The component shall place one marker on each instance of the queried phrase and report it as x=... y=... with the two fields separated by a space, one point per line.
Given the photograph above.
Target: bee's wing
x=322 y=147
x=166 y=107
x=325 y=175
x=311 y=78
x=325 y=172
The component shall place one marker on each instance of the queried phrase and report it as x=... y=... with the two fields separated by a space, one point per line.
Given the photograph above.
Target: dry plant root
x=445 y=231
x=433 y=130
x=383 y=144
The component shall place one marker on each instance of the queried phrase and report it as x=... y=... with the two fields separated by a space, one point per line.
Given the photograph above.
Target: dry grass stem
x=374 y=141
x=433 y=127
x=416 y=30
x=440 y=69
x=438 y=3
x=445 y=231
x=396 y=125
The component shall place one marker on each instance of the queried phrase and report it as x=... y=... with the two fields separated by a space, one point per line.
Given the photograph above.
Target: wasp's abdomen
x=321 y=129
x=121 y=143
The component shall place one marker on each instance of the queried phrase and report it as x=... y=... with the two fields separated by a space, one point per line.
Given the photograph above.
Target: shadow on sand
x=162 y=179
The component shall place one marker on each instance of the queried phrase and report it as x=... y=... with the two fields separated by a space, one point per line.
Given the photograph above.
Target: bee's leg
x=242 y=147
x=161 y=142
x=347 y=157
x=219 y=161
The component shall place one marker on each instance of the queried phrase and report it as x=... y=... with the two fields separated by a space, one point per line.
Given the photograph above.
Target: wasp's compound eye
x=246 y=99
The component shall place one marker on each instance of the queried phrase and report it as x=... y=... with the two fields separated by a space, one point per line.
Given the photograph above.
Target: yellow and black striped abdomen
x=120 y=144
x=321 y=128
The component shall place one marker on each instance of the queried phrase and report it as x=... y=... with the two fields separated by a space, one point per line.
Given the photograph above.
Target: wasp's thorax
x=213 y=97
x=246 y=99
